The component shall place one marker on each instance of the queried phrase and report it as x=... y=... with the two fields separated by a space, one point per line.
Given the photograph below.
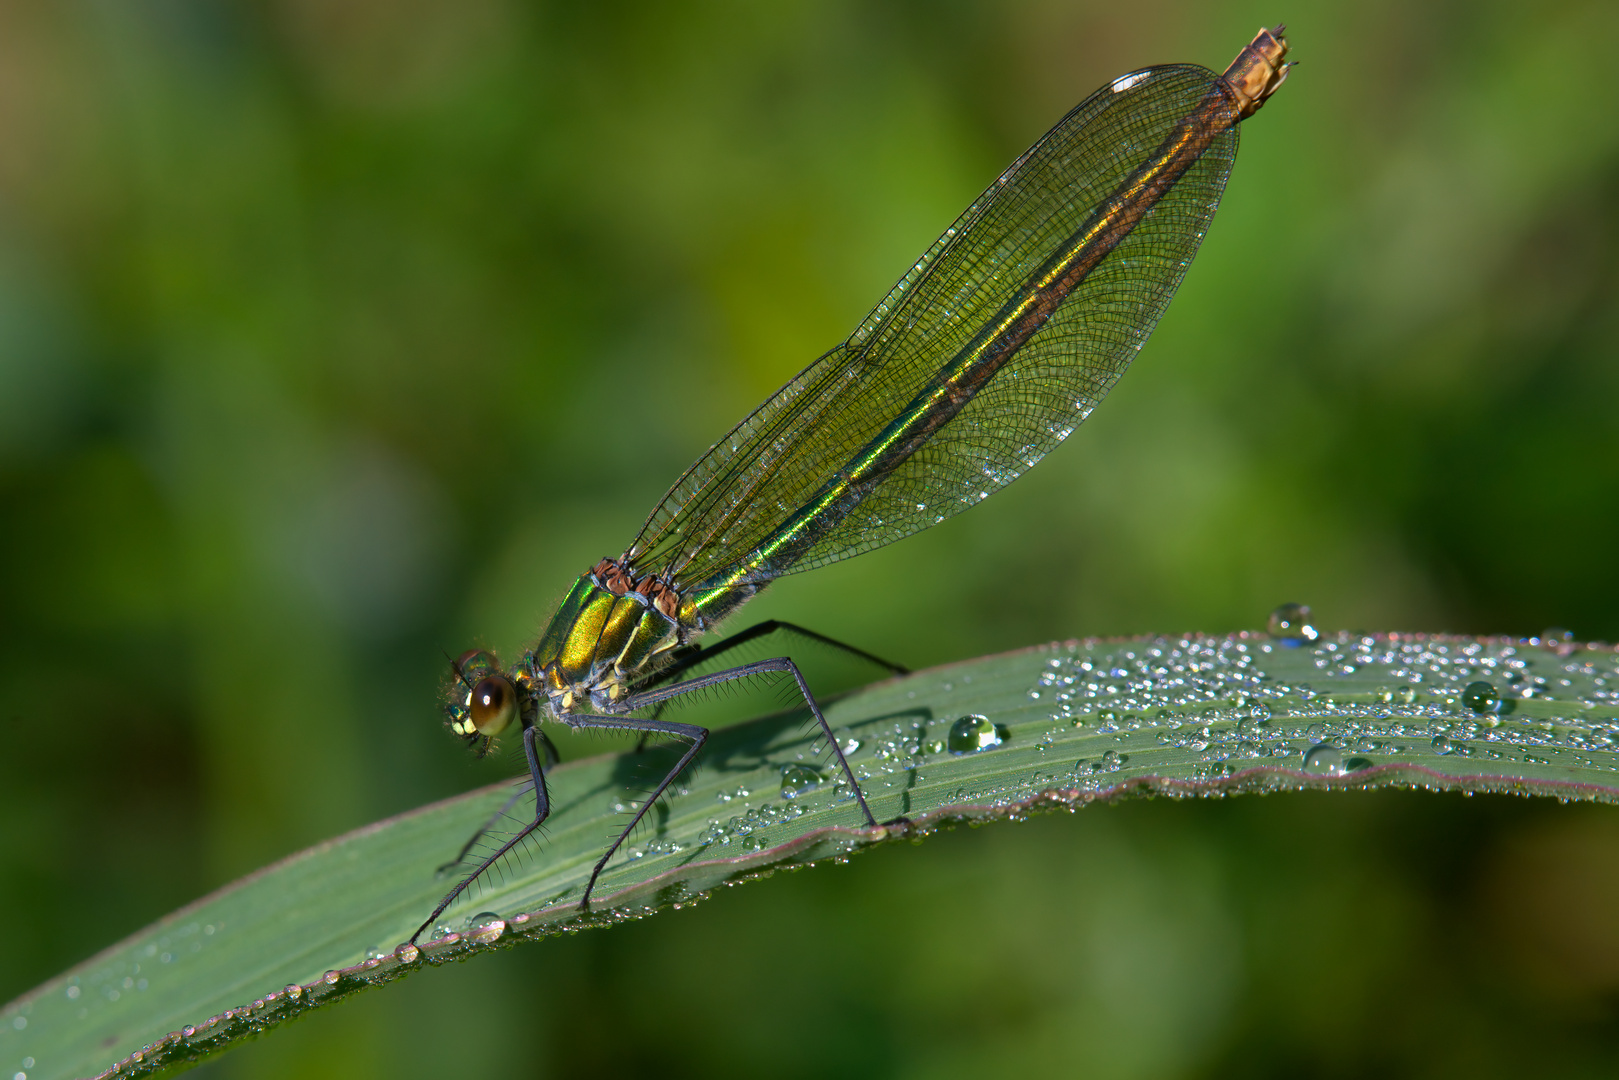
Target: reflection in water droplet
x=1480 y=696
x=797 y=779
x=1324 y=759
x=972 y=733
x=1290 y=624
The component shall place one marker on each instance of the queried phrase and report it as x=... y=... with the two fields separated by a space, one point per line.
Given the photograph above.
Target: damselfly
x=987 y=354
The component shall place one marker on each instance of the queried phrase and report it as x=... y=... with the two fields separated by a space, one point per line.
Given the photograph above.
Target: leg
x=483 y=830
x=551 y=760
x=647 y=698
x=698 y=737
x=765 y=629
x=658 y=695
x=542 y=808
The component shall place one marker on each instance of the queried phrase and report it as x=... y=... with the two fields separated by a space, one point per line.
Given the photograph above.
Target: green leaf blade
x=1082 y=722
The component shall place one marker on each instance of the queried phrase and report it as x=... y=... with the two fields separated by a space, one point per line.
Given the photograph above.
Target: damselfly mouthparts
x=987 y=354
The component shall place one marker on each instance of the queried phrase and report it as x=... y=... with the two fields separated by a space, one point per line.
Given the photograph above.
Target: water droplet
x=797 y=779
x=1405 y=695
x=1290 y=624
x=293 y=991
x=1441 y=745
x=1480 y=696
x=332 y=977
x=485 y=926
x=1324 y=759
x=973 y=733
x=934 y=746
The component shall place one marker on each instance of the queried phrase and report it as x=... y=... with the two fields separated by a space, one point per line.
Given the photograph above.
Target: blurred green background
x=338 y=336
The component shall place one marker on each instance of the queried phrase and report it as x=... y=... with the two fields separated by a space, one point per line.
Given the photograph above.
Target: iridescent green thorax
x=611 y=632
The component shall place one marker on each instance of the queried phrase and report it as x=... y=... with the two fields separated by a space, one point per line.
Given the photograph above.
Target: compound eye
x=492 y=705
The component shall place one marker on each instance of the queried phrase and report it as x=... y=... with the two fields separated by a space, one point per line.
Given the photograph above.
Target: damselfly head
x=482 y=701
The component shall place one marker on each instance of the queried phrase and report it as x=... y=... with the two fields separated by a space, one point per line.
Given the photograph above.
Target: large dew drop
x=1324 y=759
x=485 y=926
x=797 y=779
x=971 y=734
x=1481 y=696
x=1290 y=624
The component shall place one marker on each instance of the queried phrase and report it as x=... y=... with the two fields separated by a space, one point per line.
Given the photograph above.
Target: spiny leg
x=698 y=737
x=765 y=629
x=552 y=758
x=542 y=808
x=753 y=633
x=658 y=694
x=483 y=830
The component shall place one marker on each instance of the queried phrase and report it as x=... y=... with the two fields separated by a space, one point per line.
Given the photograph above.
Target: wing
x=769 y=467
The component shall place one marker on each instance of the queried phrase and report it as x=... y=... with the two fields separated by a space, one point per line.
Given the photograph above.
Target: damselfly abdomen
x=987 y=354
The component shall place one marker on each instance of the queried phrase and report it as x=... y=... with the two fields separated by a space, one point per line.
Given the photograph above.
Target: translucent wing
x=712 y=522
